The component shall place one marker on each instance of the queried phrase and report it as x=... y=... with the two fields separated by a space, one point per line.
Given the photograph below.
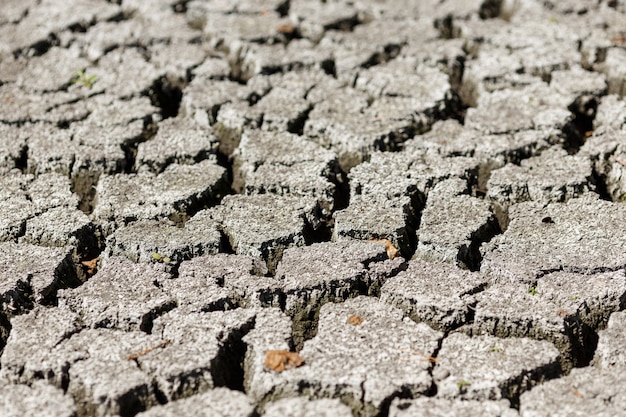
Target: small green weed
x=160 y=258
x=533 y=291
x=81 y=78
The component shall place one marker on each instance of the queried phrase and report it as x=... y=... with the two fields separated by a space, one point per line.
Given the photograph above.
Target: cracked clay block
x=614 y=67
x=39 y=399
x=509 y=111
x=43 y=192
x=178 y=141
x=265 y=225
x=33 y=273
x=122 y=198
x=48 y=191
x=301 y=407
x=122 y=295
x=33 y=336
x=151 y=241
x=51 y=72
x=584 y=235
x=439 y=407
x=272 y=332
x=611 y=113
x=223 y=281
x=109 y=110
x=302 y=179
x=610 y=351
x=102 y=378
x=493 y=69
x=190 y=354
x=283 y=163
x=259 y=148
x=429 y=86
x=348 y=124
x=552 y=177
x=384 y=202
x=22 y=197
x=359 y=359
x=441 y=295
x=607 y=149
x=62 y=227
x=450 y=138
x=487 y=367
x=232 y=28
x=51 y=17
x=221 y=402
x=92 y=365
x=389 y=192
x=454 y=224
x=204 y=351
x=327 y=271
x=315 y=19
x=377 y=42
x=283 y=110
x=367 y=219
x=584 y=392
x=20 y=107
x=564 y=308
x=124 y=72
x=202 y=98
x=12 y=147
x=17 y=209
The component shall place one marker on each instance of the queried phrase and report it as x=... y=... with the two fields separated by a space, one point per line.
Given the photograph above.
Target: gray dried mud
x=303 y=208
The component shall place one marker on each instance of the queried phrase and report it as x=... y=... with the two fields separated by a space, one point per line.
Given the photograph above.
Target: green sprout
x=463 y=384
x=81 y=78
x=533 y=291
x=160 y=258
x=495 y=349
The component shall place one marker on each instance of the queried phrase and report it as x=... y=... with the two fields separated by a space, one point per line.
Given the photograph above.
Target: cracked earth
x=363 y=208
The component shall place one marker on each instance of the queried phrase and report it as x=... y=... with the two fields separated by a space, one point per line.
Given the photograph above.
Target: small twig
x=137 y=355
x=426 y=357
x=622 y=163
x=619 y=40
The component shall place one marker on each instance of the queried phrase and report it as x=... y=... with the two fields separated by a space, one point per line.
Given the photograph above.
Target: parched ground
x=312 y=208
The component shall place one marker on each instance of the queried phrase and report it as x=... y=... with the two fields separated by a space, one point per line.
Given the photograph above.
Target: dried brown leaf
x=354 y=320
x=286 y=28
x=619 y=40
x=281 y=360
x=91 y=266
x=392 y=251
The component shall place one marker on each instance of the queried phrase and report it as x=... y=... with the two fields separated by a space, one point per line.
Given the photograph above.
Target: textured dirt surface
x=362 y=208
